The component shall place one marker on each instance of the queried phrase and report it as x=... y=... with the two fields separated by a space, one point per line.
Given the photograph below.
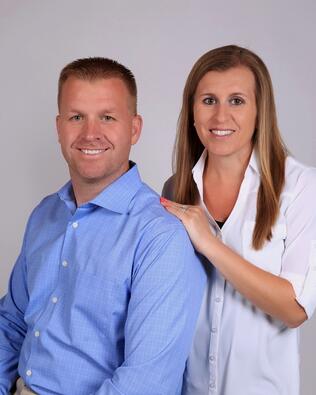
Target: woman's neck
x=226 y=168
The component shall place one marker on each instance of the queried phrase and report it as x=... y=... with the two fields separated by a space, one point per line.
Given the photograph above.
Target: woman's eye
x=209 y=100
x=236 y=101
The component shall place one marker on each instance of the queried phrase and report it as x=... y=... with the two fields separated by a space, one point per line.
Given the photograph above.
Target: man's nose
x=91 y=130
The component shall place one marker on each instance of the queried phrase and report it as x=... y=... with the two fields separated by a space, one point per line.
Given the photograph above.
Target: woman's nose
x=221 y=113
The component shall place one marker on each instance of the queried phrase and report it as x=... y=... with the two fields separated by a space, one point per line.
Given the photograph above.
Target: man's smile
x=87 y=151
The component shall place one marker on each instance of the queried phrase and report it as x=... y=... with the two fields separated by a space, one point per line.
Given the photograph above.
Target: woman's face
x=225 y=112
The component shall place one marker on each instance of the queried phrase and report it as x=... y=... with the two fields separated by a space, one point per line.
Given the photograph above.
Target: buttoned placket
x=70 y=234
x=218 y=281
x=216 y=313
x=55 y=296
x=218 y=292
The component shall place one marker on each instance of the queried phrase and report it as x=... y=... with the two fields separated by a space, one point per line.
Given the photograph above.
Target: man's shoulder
x=146 y=205
x=47 y=202
x=47 y=205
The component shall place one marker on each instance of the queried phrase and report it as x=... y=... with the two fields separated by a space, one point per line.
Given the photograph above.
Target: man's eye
x=209 y=100
x=236 y=101
x=107 y=118
x=76 y=118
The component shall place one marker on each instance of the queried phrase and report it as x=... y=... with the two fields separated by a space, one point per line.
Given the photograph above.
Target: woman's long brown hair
x=267 y=141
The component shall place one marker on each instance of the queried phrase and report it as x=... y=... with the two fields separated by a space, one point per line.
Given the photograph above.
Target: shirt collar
x=197 y=172
x=253 y=163
x=115 y=197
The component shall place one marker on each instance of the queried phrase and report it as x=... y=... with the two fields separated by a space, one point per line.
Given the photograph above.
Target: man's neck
x=86 y=189
x=84 y=193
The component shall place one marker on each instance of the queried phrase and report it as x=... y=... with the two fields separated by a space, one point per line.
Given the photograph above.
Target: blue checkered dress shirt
x=103 y=298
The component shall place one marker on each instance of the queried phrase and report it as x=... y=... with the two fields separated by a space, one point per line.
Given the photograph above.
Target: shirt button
x=36 y=333
x=54 y=299
x=64 y=263
x=214 y=330
x=29 y=372
x=75 y=225
x=212 y=358
x=212 y=385
x=217 y=300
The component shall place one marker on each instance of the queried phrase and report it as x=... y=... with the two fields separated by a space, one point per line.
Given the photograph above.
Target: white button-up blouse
x=238 y=349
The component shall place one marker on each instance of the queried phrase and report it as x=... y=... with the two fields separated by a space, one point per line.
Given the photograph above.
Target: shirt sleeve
x=12 y=325
x=167 y=287
x=299 y=258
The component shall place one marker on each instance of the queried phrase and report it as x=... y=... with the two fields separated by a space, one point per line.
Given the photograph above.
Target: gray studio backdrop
x=159 y=41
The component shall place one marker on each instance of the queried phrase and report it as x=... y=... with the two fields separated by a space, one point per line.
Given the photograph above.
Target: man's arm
x=12 y=325
x=167 y=287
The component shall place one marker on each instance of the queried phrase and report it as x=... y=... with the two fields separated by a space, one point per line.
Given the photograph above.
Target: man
x=104 y=296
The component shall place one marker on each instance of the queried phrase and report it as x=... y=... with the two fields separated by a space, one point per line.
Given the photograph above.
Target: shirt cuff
x=304 y=288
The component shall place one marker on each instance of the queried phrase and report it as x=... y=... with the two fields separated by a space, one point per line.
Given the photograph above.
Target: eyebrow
x=232 y=94
x=107 y=111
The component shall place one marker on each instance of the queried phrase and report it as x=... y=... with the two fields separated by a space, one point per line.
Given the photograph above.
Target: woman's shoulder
x=298 y=176
x=168 y=188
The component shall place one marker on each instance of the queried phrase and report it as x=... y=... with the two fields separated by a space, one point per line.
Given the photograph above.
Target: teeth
x=222 y=132
x=92 y=151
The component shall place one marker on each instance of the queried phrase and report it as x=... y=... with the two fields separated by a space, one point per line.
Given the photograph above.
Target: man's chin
x=91 y=179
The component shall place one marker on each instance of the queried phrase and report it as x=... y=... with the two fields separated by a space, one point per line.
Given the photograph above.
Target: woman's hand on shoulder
x=195 y=221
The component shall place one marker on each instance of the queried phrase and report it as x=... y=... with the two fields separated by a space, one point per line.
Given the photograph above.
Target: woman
x=247 y=206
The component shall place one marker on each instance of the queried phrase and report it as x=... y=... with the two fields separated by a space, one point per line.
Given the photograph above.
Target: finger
x=165 y=202
x=168 y=203
x=182 y=208
x=175 y=211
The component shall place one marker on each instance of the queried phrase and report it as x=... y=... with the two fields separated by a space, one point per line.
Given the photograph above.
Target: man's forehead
x=110 y=82
x=109 y=92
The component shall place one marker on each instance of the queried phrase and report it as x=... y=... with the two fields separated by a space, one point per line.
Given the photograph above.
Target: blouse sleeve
x=299 y=258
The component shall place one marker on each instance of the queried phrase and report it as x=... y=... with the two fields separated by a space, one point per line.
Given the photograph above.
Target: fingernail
x=163 y=200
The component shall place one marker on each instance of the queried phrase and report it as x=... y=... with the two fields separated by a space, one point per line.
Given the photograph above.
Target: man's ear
x=136 y=128
x=58 y=120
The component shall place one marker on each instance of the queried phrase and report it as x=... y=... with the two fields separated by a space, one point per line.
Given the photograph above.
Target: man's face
x=96 y=129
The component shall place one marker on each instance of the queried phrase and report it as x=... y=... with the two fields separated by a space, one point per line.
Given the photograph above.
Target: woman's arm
x=270 y=293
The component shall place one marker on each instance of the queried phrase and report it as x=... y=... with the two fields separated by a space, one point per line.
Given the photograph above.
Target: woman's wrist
x=213 y=248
